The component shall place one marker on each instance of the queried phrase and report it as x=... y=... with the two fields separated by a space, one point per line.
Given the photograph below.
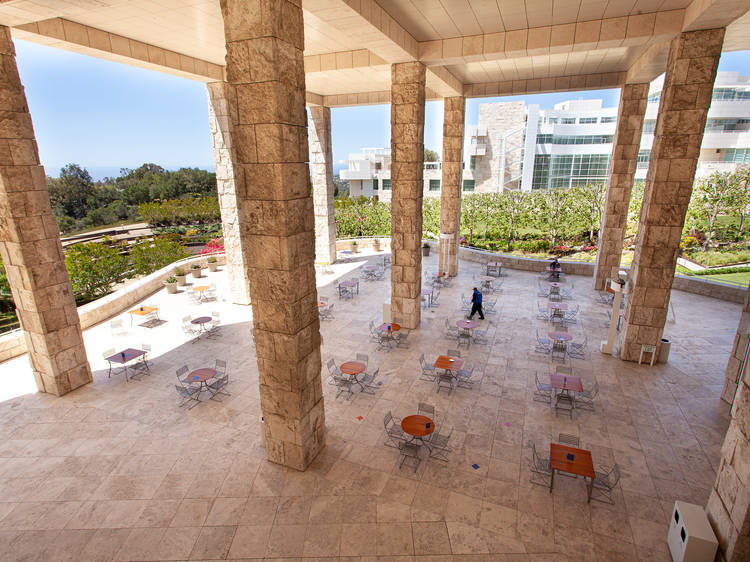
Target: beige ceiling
x=469 y=45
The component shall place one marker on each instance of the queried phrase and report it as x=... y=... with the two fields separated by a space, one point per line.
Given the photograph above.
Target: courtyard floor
x=117 y=470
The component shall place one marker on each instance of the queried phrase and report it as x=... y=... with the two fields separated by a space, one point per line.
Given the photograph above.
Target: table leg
x=591 y=488
x=552 y=481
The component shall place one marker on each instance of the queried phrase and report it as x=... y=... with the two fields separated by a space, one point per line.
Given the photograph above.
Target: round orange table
x=417 y=426
x=201 y=288
x=393 y=327
x=352 y=367
x=321 y=304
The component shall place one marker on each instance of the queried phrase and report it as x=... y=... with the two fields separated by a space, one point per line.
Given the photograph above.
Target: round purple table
x=466 y=324
x=560 y=336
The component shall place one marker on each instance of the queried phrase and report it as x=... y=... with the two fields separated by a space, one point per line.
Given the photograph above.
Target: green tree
x=634 y=207
x=430 y=217
x=93 y=268
x=72 y=194
x=150 y=255
x=513 y=210
x=590 y=200
x=431 y=155
x=711 y=197
x=474 y=213
x=741 y=199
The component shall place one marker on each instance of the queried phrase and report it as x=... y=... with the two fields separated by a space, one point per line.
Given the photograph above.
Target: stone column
x=268 y=123
x=450 y=190
x=407 y=153
x=218 y=118
x=322 y=180
x=30 y=245
x=633 y=102
x=728 y=507
x=685 y=99
x=734 y=365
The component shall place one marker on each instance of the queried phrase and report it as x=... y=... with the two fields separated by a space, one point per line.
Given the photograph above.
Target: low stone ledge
x=13 y=344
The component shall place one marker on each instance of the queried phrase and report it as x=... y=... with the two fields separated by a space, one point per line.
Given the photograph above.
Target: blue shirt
x=477 y=297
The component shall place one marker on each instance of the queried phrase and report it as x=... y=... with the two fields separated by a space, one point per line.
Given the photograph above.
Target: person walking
x=476 y=304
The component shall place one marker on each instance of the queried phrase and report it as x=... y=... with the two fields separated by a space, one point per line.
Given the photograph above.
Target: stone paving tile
x=117 y=470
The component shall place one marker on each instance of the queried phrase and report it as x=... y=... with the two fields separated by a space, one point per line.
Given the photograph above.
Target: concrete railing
x=13 y=343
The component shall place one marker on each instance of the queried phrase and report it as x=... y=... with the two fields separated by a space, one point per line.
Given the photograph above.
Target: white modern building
x=518 y=146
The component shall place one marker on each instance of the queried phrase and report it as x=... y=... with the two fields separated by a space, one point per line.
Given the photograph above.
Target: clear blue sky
x=106 y=116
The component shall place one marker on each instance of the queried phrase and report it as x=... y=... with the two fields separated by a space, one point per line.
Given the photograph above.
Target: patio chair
x=217 y=386
x=109 y=353
x=326 y=313
x=435 y=298
x=333 y=368
x=445 y=380
x=194 y=297
x=363 y=358
x=541 y=469
x=567 y=439
x=543 y=345
x=453 y=353
x=439 y=445
x=213 y=329
x=424 y=409
x=577 y=349
x=570 y=316
x=344 y=385
x=542 y=289
x=210 y=293
x=605 y=297
x=368 y=382
x=375 y=333
x=182 y=371
x=543 y=392
x=220 y=366
x=566 y=292
x=465 y=304
x=188 y=393
x=542 y=311
x=604 y=484
x=140 y=368
x=394 y=435
x=428 y=371
x=451 y=331
x=118 y=328
x=585 y=399
x=400 y=337
x=410 y=452
x=463 y=378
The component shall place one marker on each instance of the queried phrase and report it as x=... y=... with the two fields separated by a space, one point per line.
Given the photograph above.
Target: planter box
x=181 y=280
x=213 y=266
x=196 y=273
x=171 y=288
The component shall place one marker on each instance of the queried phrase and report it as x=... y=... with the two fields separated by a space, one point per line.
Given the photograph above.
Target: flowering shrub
x=588 y=248
x=688 y=242
x=215 y=246
x=562 y=250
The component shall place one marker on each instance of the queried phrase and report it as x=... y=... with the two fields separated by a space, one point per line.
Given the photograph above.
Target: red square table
x=573 y=461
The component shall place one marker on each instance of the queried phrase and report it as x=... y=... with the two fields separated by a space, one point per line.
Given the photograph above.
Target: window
x=587 y=120
x=434 y=185
x=468 y=185
x=608 y=119
x=375 y=184
x=643 y=158
x=648 y=127
x=737 y=155
x=574 y=139
x=568 y=120
x=473 y=162
x=544 y=139
x=386 y=185
x=654 y=98
x=541 y=171
x=568 y=170
x=552 y=120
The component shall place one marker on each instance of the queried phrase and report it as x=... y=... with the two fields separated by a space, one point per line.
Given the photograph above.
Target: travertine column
x=633 y=102
x=30 y=245
x=322 y=180
x=268 y=123
x=407 y=153
x=685 y=99
x=734 y=365
x=728 y=505
x=450 y=190
x=218 y=118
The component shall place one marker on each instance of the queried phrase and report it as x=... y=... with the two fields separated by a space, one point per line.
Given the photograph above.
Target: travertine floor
x=117 y=471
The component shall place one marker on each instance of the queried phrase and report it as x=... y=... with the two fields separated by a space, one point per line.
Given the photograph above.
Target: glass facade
x=574 y=139
x=730 y=94
x=568 y=120
x=608 y=119
x=434 y=185
x=569 y=170
x=587 y=120
x=643 y=158
x=737 y=155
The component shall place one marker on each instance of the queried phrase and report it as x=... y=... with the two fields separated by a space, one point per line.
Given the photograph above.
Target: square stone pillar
x=268 y=123
x=734 y=365
x=685 y=100
x=728 y=507
x=218 y=119
x=322 y=180
x=407 y=163
x=633 y=102
x=450 y=190
x=30 y=245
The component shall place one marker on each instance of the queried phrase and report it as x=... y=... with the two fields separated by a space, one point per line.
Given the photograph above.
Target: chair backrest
x=454 y=353
x=117 y=323
x=569 y=439
x=387 y=419
x=596 y=389
x=331 y=364
x=421 y=358
x=214 y=313
x=221 y=365
x=534 y=456
x=563 y=370
x=181 y=371
x=181 y=390
x=146 y=347
x=108 y=353
x=363 y=357
x=323 y=299
x=614 y=476
x=375 y=375
x=186 y=319
x=426 y=408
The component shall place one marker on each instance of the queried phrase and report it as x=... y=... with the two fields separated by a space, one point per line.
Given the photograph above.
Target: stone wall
x=30 y=245
x=685 y=100
x=498 y=118
x=739 y=347
x=321 y=155
x=450 y=196
x=407 y=152
x=218 y=119
x=633 y=102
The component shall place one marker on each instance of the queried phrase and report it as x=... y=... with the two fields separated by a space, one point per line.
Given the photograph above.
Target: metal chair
x=542 y=311
x=188 y=393
x=439 y=445
x=463 y=377
x=333 y=368
x=567 y=439
x=364 y=358
x=368 y=382
x=118 y=328
x=194 y=297
x=428 y=371
x=604 y=484
x=409 y=451
x=141 y=367
x=218 y=385
x=543 y=392
x=181 y=372
x=394 y=435
x=213 y=329
x=435 y=298
x=109 y=353
x=445 y=380
x=451 y=331
x=585 y=399
x=344 y=385
x=425 y=409
x=453 y=353
x=400 y=337
x=543 y=345
x=541 y=469
x=220 y=366
x=375 y=333
x=578 y=349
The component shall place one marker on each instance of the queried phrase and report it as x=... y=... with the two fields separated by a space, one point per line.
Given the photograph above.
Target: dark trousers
x=476 y=307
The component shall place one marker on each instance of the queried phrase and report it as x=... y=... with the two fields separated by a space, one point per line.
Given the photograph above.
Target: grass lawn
x=738 y=279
